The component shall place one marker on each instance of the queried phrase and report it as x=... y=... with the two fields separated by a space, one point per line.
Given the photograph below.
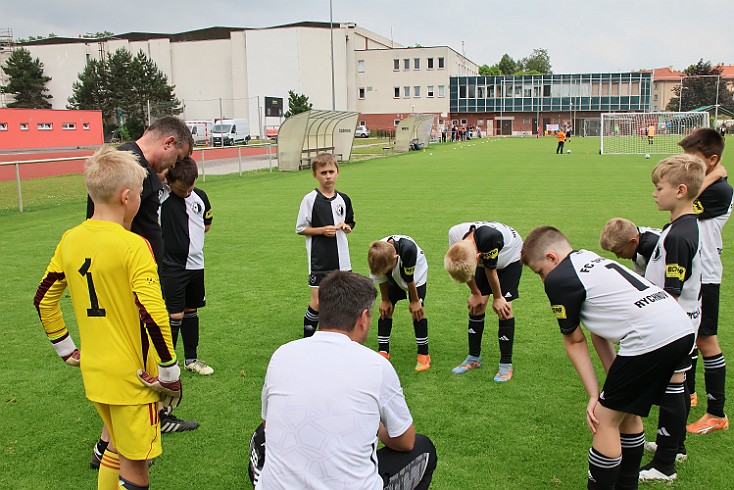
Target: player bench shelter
x=415 y=129
x=303 y=136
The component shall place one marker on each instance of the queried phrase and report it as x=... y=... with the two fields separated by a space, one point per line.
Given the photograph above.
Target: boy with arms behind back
x=113 y=281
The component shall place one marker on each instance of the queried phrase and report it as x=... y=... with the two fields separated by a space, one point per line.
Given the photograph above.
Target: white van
x=230 y=132
x=201 y=130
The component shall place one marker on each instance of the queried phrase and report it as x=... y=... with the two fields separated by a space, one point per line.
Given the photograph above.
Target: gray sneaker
x=200 y=367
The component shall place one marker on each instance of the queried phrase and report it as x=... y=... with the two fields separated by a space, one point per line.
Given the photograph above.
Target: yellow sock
x=109 y=472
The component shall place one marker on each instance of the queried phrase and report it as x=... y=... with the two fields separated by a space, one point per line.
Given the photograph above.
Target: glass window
x=462 y=91
x=361 y=92
x=441 y=63
x=362 y=123
x=480 y=92
x=395 y=65
x=442 y=91
x=416 y=91
x=527 y=92
x=396 y=92
x=429 y=62
x=406 y=64
x=429 y=91
x=3 y=126
x=406 y=92
x=45 y=126
x=416 y=63
x=546 y=90
x=396 y=122
x=69 y=126
x=360 y=66
x=24 y=126
x=85 y=126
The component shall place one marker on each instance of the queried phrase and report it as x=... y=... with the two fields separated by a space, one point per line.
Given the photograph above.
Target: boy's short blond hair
x=110 y=171
x=323 y=159
x=461 y=261
x=381 y=257
x=539 y=241
x=681 y=169
x=616 y=234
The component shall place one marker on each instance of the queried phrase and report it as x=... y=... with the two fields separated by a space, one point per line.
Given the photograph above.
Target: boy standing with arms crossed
x=325 y=218
x=113 y=281
x=399 y=267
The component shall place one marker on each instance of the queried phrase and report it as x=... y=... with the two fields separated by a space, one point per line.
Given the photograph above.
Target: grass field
x=526 y=434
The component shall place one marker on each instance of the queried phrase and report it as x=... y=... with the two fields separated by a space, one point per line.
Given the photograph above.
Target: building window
x=85 y=126
x=396 y=65
x=429 y=91
x=68 y=126
x=441 y=63
x=406 y=92
x=396 y=122
x=480 y=92
x=430 y=63
x=416 y=91
x=360 y=66
x=462 y=91
x=656 y=97
x=45 y=126
x=416 y=63
x=3 y=126
x=442 y=91
x=546 y=90
x=396 y=92
x=24 y=126
x=463 y=122
x=406 y=64
x=361 y=92
x=527 y=92
x=362 y=123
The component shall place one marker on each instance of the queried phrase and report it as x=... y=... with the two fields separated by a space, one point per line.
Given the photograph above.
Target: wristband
x=64 y=348
x=169 y=374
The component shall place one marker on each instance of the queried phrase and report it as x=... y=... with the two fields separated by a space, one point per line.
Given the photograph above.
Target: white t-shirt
x=322 y=402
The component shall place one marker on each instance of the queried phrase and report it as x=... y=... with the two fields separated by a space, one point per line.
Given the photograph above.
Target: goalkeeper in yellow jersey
x=113 y=280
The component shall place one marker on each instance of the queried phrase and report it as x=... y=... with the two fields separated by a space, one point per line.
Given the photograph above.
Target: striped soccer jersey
x=113 y=281
x=648 y=239
x=411 y=266
x=499 y=245
x=713 y=208
x=183 y=221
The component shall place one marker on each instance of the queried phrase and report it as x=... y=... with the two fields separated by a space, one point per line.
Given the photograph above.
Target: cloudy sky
x=580 y=35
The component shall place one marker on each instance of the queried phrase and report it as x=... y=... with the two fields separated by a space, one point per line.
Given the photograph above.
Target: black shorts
x=636 y=383
x=315 y=278
x=182 y=288
x=509 y=280
x=709 y=309
x=395 y=293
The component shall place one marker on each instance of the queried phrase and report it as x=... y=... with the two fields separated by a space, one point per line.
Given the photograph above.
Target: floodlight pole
x=331 y=32
x=716 y=105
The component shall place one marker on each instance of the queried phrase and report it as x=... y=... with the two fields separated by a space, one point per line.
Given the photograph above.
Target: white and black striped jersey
x=411 y=266
x=713 y=208
x=183 y=222
x=646 y=246
x=675 y=264
x=326 y=254
x=499 y=245
x=614 y=303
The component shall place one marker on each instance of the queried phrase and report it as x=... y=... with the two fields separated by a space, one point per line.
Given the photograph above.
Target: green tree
x=538 y=61
x=507 y=65
x=488 y=71
x=297 y=103
x=699 y=89
x=26 y=81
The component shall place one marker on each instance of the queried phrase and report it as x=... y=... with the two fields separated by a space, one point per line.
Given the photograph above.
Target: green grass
x=528 y=433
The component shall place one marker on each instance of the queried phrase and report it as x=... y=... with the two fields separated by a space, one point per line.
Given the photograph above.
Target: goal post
x=655 y=133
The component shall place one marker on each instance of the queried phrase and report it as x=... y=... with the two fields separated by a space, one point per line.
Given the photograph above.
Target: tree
x=488 y=71
x=125 y=85
x=699 y=89
x=507 y=65
x=26 y=81
x=297 y=103
x=538 y=61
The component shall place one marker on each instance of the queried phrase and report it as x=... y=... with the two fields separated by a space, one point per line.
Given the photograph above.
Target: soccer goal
x=647 y=132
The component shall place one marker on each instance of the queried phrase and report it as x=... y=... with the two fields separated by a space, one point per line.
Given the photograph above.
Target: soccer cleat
x=171 y=423
x=648 y=473
x=504 y=373
x=708 y=423
x=694 y=399
x=423 y=363
x=200 y=367
x=652 y=447
x=471 y=362
x=96 y=459
x=384 y=354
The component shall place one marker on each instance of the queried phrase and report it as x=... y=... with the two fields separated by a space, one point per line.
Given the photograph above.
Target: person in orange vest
x=561 y=140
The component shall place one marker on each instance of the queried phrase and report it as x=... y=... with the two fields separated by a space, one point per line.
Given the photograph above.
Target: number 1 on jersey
x=639 y=285
x=95 y=310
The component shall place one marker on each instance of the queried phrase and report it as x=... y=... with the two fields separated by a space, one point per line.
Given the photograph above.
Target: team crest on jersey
x=697 y=207
x=656 y=254
x=196 y=208
x=492 y=254
x=675 y=271
x=559 y=311
x=340 y=210
x=409 y=270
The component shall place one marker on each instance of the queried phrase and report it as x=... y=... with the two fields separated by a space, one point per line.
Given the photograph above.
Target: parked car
x=362 y=132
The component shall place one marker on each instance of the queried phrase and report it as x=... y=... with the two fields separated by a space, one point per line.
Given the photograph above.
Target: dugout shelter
x=415 y=128
x=303 y=136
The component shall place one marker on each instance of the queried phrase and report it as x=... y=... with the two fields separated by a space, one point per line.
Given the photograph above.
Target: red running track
x=51 y=169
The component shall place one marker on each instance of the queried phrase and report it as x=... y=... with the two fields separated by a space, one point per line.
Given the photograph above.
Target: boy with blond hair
x=398 y=265
x=325 y=218
x=713 y=206
x=675 y=266
x=616 y=307
x=113 y=280
x=485 y=256
x=628 y=241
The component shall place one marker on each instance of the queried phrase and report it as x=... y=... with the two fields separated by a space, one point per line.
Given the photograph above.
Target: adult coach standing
x=164 y=143
x=336 y=398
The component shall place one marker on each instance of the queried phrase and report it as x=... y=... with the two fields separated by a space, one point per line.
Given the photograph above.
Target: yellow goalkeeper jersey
x=113 y=280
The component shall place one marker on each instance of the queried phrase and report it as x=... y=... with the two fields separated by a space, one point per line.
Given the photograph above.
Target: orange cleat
x=708 y=423
x=424 y=362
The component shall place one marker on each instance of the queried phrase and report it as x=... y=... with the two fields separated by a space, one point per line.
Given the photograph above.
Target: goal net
x=649 y=132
